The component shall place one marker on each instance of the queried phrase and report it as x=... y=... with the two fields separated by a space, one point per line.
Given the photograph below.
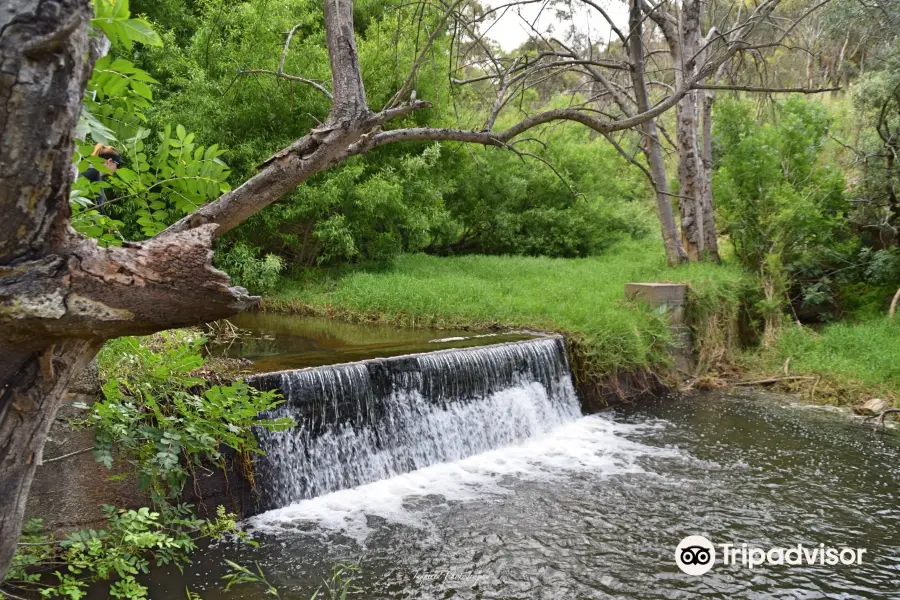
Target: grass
x=856 y=361
x=580 y=297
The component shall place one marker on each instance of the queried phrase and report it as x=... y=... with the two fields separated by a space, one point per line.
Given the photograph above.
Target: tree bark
x=706 y=192
x=675 y=253
x=31 y=399
x=43 y=53
x=689 y=174
x=695 y=207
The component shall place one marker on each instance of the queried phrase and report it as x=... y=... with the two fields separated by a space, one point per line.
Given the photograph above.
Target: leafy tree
x=784 y=209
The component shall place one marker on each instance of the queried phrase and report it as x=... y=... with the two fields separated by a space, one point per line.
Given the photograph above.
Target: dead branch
x=280 y=71
x=894 y=305
x=880 y=416
x=772 y=380
x=771 y=90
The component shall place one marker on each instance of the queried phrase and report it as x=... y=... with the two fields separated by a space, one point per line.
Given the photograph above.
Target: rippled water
x=595 y=508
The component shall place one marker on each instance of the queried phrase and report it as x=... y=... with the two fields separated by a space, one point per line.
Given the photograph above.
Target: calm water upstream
x=273 y=341
x=594 y=508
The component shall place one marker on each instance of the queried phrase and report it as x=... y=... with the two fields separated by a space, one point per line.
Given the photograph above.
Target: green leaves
x=112 y=18
x=154 y=189
x=131 y=542
x=154 y=410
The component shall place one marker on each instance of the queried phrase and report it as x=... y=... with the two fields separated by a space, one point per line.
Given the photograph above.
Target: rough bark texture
x=689 y=175
x=695 y=204
x=60 y=294
x=706 y=193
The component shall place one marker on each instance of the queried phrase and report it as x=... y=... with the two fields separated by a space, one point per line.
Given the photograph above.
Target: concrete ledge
x=656 y=294
x=671 y=297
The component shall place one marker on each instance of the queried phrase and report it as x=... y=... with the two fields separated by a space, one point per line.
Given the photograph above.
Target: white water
x=367 y=422
x=593 y=444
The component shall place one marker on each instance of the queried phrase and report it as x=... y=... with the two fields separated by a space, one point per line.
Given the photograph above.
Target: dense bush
x=165 y=418
x=505 y=204
x=442 y=198
x=783 y=203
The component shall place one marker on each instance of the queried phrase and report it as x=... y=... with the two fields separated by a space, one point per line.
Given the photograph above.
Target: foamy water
x=594 y=444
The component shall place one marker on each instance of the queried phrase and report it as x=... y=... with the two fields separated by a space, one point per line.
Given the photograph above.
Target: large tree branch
x=82 y=290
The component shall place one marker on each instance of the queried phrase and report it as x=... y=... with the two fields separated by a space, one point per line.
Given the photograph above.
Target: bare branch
x=773 y=90
x=407 y=85
x=293 y=78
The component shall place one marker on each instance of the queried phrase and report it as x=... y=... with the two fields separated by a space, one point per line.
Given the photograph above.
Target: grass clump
x=852 y=362
x=583 y=297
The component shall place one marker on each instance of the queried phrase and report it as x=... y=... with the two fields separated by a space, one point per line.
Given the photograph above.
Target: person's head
x=111 y=154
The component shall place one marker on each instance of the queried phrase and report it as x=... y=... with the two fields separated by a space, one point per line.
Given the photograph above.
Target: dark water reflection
x=275 y=342
x=596 y=509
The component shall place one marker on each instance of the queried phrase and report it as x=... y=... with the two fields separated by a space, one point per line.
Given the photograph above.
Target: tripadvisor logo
x=695 y=555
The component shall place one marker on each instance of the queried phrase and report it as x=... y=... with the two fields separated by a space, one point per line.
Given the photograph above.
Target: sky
x=511 y=29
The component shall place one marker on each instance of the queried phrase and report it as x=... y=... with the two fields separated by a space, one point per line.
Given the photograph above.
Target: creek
x=471 y=473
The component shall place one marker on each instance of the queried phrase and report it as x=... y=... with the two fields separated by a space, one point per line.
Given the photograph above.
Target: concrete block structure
x=672 y=298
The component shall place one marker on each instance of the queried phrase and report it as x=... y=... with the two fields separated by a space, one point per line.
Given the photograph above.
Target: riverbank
x=581 y=298
x=841 y=363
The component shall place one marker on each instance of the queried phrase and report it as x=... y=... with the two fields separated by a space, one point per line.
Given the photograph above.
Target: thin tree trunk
x=706 y=194
x=690 y=176
x=675 y=253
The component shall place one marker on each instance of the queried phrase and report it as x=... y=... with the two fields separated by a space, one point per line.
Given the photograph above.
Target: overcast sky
x=511 y=29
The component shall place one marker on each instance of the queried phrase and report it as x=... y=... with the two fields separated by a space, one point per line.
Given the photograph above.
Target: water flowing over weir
x=362 y=422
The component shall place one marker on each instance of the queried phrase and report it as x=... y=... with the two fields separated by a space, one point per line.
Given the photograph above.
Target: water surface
x=594 y=508
x=275 y=342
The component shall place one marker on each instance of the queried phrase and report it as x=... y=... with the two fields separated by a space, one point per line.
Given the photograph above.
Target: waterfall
x=362 y=422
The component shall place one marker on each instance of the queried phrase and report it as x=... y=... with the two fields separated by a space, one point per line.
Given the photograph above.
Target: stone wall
x=70 y=486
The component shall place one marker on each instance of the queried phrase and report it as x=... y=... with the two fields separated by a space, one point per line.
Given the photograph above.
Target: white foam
x=594 y=444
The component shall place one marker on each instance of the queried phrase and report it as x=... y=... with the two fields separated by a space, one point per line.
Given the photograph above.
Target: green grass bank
x=846 y=362
x=583 y=298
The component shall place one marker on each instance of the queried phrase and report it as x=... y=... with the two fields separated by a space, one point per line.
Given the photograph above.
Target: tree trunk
x=690 y=176
x=675 y=253
x=706 y=193
x=697 y=218
x=31 y=399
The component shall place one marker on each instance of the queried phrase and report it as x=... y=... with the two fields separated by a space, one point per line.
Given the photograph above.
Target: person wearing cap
x=113 y=161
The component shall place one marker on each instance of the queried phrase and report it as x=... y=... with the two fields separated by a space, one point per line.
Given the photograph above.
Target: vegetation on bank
x=159 y=415
x=842 y=363
x=580 y=297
